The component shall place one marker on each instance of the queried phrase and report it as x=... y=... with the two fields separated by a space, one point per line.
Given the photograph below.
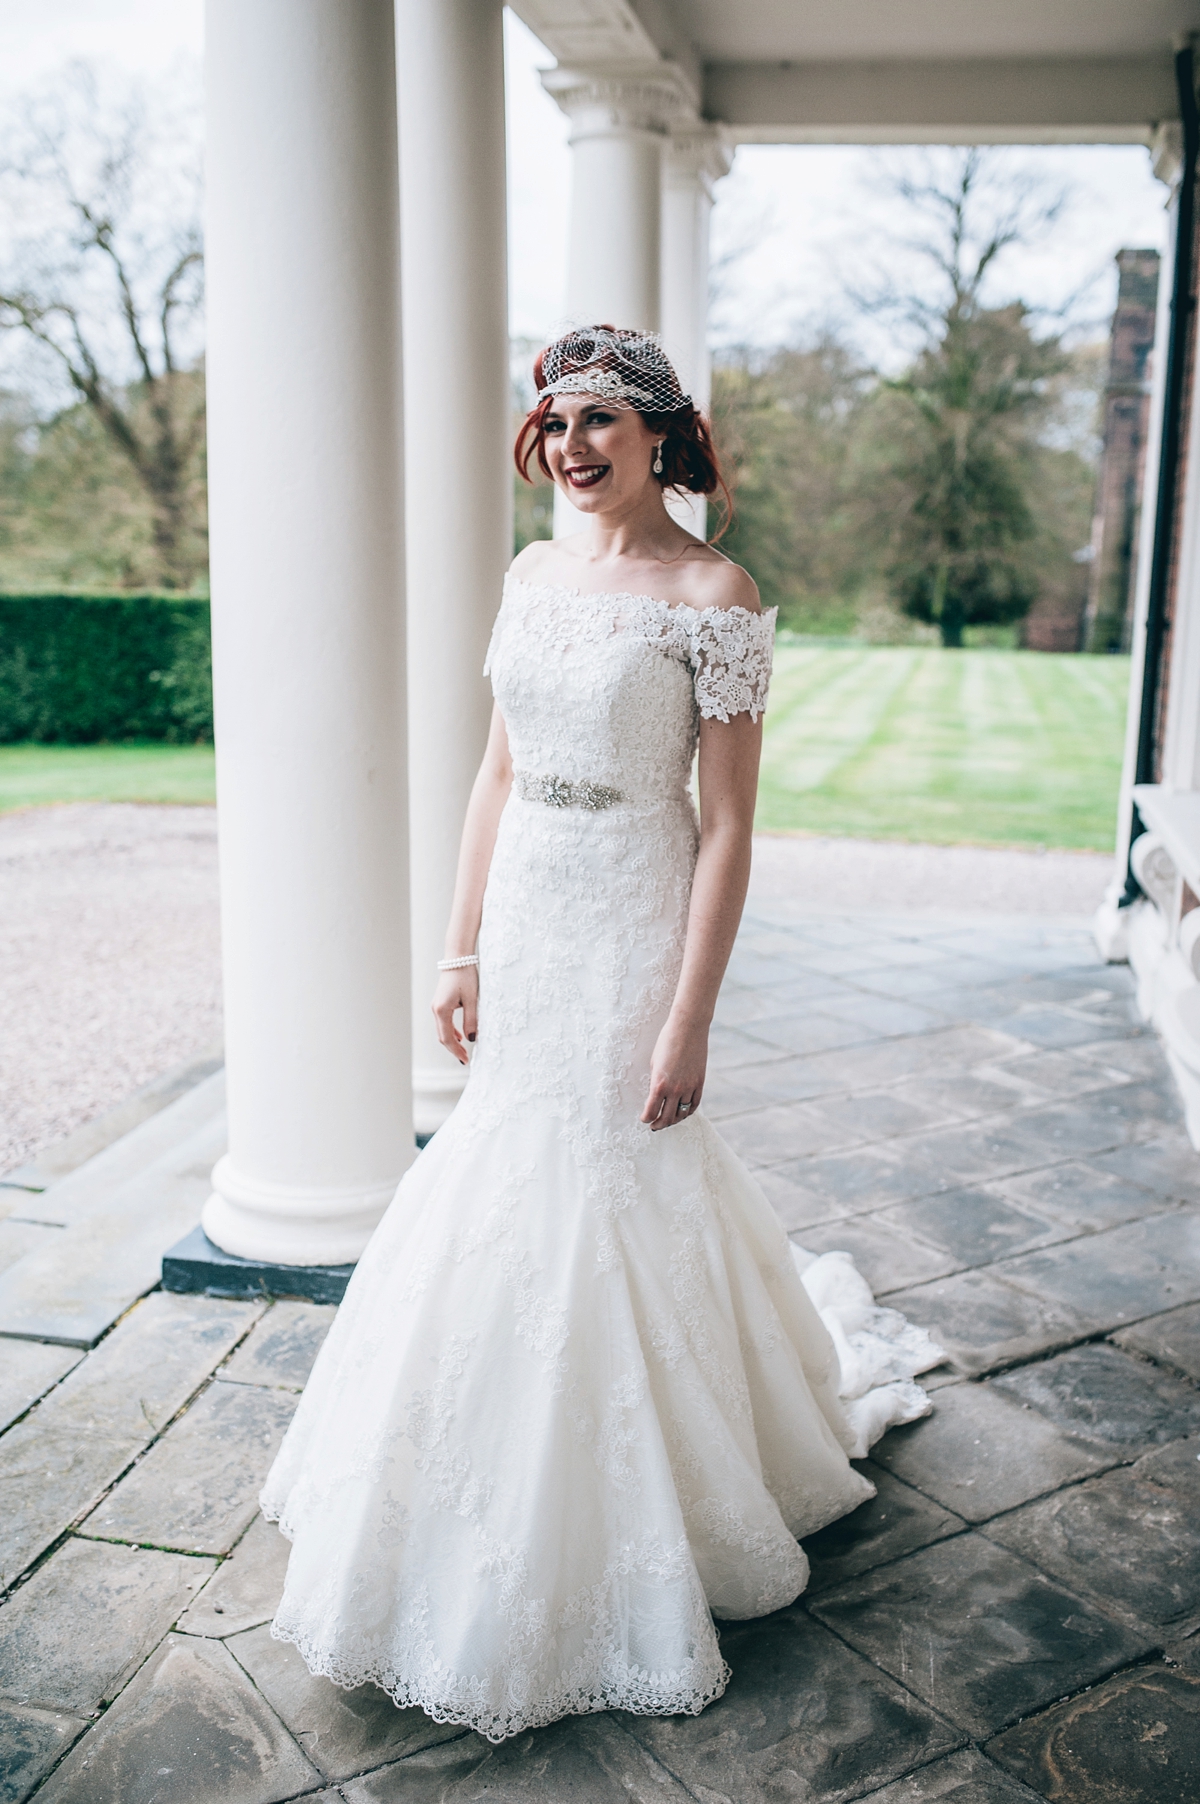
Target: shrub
x=82 y=668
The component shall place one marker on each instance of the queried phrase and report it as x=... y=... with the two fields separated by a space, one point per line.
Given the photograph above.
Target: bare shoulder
x=716 y=582
x=530 y=560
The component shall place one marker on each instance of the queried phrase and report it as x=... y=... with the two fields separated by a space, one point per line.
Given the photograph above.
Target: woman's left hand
x=676 y=1075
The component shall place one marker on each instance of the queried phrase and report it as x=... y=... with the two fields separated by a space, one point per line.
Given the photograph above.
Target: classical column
x=305 y=431
x=620 y=116
x=695 y=159
x=458 y=456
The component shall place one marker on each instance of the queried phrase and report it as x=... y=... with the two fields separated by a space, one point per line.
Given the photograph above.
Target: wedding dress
x=578 y=1400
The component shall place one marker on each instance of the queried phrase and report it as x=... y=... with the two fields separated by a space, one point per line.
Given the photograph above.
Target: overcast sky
x=801 y=220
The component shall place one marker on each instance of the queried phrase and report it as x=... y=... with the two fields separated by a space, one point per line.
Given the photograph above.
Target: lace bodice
x=610 y=688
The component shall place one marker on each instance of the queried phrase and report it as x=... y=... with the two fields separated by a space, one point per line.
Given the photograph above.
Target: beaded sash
x=560 y=792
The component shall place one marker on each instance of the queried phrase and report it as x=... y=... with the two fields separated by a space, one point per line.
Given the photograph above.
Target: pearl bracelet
x=457 y=964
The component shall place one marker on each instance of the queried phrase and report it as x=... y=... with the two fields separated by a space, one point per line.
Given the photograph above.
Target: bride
x=578 y=1400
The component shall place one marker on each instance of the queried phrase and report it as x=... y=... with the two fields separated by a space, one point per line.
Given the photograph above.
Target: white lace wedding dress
x=578 y=1400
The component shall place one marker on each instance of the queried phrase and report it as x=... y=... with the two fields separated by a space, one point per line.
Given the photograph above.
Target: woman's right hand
x=457 y=991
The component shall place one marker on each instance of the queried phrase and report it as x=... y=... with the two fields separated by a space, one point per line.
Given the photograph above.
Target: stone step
x=110 y=1253
x=93 y=1184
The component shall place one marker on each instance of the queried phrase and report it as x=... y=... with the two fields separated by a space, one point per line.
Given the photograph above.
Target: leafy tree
x=789 y=424
x=966 y=420
x=100 y=295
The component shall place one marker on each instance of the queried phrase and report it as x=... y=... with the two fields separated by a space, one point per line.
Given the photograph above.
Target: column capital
x=613 y=99
x=697 y=154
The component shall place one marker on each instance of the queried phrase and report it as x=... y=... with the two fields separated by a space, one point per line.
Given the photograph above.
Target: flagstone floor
x=972 y=1109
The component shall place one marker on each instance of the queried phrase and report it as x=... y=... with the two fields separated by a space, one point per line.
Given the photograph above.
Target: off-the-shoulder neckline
x=678 y=607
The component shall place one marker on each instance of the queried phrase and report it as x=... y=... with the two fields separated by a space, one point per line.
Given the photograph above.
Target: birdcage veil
x=622 y=367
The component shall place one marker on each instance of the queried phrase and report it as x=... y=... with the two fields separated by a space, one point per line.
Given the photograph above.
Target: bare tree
x=101 y=281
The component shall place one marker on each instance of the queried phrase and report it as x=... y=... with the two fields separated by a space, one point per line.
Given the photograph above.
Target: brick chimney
x=1108 y=614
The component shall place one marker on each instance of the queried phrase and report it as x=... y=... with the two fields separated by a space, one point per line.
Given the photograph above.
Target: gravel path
x=109 y=960
x=110 y=955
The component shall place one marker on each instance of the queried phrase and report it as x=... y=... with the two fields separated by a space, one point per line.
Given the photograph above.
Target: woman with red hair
x=578 y=1400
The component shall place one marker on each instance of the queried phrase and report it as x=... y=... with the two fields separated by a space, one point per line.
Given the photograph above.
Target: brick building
x=1107 y=622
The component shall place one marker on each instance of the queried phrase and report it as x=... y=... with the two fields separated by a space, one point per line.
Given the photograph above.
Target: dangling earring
x=657 y=466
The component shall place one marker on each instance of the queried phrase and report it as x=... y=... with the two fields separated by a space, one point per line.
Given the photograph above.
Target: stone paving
x=973 y=1110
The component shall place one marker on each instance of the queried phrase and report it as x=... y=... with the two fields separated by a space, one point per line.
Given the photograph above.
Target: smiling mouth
x=585 y=476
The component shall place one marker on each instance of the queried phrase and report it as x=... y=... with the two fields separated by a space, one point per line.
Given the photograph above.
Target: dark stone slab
x=342 y=1732
x=980 y=1452
x=1120 y=1275
x=1169 y=1164
x=30 y=1743
x=1131 y=1537
x=967 y=1777
x=870 y=1177
x=1107 y=1396
x=896 y=1521
x=1084 y=1125
x=72 y=1635
x=803 y=1718
x=1084 y=1195
x=977 y=1632
x=784 y=1131
x=197 y=1489
x=1133 y=1740
x=282 y=1347
x=246 y=1588
x=28 y=1369
x=195 y=1264
x=887 y=1257
x=973 y=1226
x=586 y=1760
x=146 y=1369
x=1172 y=1339
x=190 y=1726
x=881 y=1115
x=980 y=1151
x=48 y=1478
x=985 y=1323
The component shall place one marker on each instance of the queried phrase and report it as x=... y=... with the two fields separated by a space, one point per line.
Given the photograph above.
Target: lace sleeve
x=730 y=651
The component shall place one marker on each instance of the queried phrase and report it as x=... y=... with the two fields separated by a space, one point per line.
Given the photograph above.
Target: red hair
x=689 y=457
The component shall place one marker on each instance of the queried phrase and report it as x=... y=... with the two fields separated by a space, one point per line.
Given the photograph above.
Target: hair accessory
x=457 y=964
x=625 y=368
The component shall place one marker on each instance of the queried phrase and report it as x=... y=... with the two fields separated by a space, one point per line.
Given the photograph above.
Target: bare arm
x=728 y=769
x=460 y=989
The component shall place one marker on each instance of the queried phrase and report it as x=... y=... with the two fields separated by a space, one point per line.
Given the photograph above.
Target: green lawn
x=886 y=742
x=149 y=772
x=988 y=747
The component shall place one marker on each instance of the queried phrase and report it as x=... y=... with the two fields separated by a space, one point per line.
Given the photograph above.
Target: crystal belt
x=560 y=792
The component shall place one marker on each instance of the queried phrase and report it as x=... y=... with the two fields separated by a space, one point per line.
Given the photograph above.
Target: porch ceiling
x=789 y=71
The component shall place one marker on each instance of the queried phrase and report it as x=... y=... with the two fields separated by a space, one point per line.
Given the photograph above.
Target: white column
x=695 y=159
x=620 y=117
x=459 y=471
x=305 y=428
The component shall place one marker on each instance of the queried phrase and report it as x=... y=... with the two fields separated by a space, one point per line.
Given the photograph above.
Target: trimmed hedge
x=82 y=668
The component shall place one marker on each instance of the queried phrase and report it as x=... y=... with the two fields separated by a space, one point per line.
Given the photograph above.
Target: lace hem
x=454 y=1699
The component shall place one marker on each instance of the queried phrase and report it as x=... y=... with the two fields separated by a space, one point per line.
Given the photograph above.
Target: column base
x=436 y=1089
x=194 y=1264
x=281 y=1225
